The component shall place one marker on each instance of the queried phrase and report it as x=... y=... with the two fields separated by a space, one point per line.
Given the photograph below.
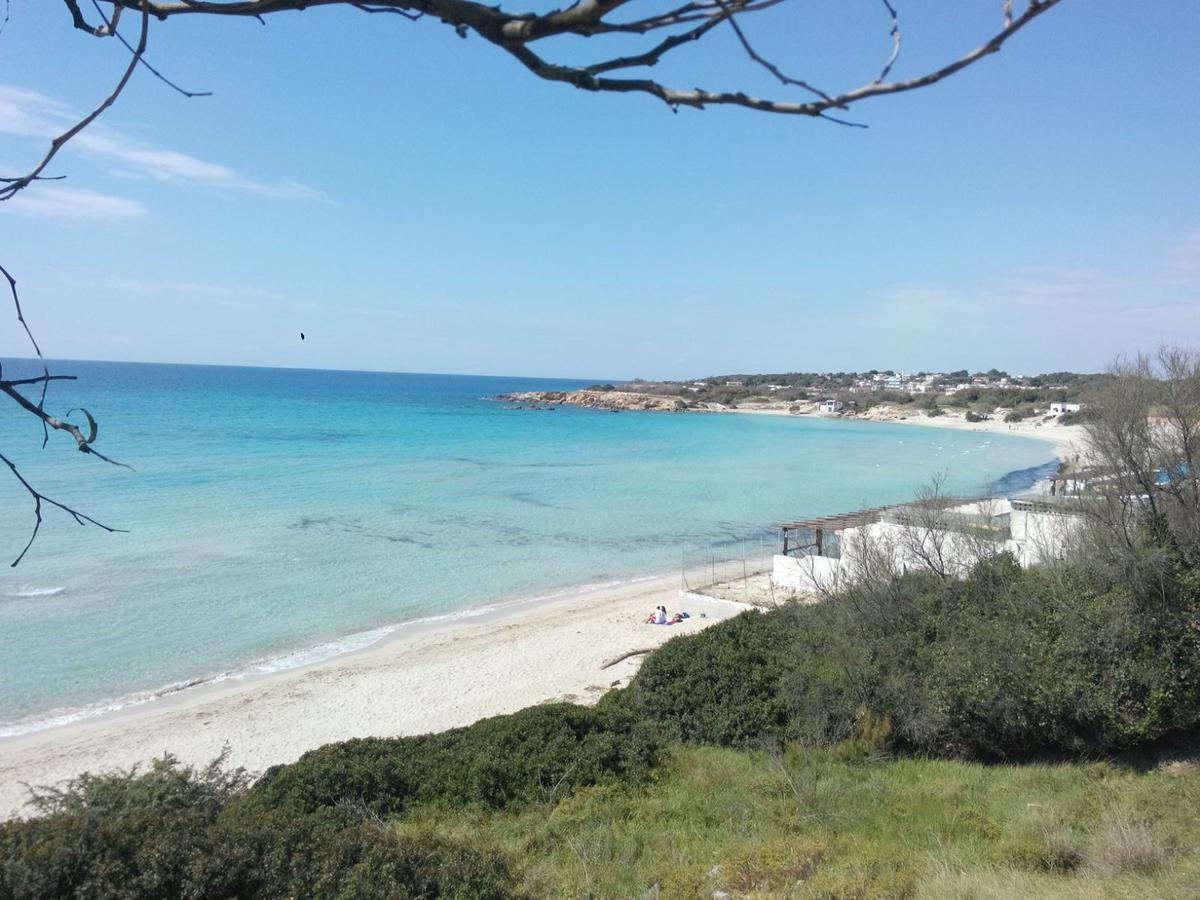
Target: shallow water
x=279 y=516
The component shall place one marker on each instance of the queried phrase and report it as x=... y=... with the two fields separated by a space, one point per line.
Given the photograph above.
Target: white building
x=1033 y=528
x=832 y=406
x=1057 y=409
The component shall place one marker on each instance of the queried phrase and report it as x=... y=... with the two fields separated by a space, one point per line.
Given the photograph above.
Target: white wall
x=1041 y=536
x=1036 y=537
x=809 y=574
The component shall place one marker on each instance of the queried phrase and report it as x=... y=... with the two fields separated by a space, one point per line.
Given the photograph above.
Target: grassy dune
x=843 y=824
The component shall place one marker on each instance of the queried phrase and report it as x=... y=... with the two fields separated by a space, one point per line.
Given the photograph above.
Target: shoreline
x=419 y=679
x=303 y=657
x=1068 y=440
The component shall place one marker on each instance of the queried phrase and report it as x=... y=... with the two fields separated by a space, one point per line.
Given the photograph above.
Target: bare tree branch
x=512 y=31
x=16 y=185
x=12 y=286
x=82 y=442
x=40 y=498
x=895 y=33
x=38 y=380
x=112 y=29
x=653 y=55
x=767 y=64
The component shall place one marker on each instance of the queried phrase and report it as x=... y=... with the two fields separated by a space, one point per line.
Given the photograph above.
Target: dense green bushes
x=179 y=833
x=540 y=753
x=1005 y=663
x=721 y=686
x=312 y=829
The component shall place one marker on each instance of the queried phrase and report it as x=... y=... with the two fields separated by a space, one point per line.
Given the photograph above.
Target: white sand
x=1068 y=441
x=423 y=679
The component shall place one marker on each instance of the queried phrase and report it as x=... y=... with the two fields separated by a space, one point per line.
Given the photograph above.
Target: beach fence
x=738 y=570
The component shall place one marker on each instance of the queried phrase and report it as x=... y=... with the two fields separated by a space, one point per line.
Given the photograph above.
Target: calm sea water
x=277 y=516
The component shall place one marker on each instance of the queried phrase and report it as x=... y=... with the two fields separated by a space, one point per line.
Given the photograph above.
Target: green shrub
x=972 y=416
x=537 y=754
x=721 y=686
x=1007 y=662
x=177 y=832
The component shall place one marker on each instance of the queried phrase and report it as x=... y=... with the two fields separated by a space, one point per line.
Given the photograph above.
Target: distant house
x=832 y=406
x=734 y=384
x=1057 y=409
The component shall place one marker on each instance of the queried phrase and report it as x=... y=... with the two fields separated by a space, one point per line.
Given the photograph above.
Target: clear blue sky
x=416 y=202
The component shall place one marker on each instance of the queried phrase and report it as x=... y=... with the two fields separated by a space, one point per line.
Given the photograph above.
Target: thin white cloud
x=52 y=201
x=378 y=312
x=1027 y=288
x=159 y=288
x=1183 y=260
x=1076 y=315
x=25 y=113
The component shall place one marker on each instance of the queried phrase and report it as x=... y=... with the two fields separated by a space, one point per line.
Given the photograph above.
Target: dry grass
x=1123 y=846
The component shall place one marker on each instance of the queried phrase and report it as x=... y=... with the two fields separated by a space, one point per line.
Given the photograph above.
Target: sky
x=416 y=202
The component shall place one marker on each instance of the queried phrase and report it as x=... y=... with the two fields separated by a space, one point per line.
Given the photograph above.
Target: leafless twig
x=514 y=32
x=895 y=34
x=112 y=29
x=14 y=186
x=40 y=498
x=82 y=442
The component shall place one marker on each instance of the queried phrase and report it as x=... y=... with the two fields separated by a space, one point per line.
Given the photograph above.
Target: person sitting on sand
x=679 y=617
x=658 y=617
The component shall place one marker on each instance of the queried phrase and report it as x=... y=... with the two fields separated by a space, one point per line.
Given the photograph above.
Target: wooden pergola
x=822 y=524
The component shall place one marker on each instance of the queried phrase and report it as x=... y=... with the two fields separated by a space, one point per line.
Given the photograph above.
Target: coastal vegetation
x=1015 y=732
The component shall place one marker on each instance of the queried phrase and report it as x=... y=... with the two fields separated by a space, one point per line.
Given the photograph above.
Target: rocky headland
x=616 y=401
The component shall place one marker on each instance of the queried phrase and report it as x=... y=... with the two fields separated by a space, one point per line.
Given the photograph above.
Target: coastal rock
x=616 y=401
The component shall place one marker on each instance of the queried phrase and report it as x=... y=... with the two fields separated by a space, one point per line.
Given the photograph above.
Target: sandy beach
x=1068 y=441
x=424 y=678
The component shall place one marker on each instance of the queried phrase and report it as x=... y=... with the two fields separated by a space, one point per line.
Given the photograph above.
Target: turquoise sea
x=281 y=516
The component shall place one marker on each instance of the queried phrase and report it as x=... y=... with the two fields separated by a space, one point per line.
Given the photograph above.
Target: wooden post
x=820 y=542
